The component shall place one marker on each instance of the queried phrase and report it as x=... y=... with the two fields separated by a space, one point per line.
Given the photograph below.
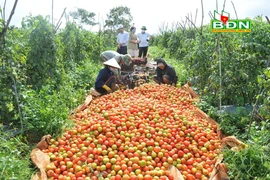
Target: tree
x=84 y=17
x=118 y=15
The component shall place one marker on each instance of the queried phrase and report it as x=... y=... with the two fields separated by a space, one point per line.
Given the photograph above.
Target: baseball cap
x=120 y=26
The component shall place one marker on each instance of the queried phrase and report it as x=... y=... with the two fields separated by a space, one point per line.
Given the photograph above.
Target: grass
x=15 y=162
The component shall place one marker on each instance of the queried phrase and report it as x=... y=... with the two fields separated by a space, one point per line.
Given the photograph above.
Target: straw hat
x=113 y=63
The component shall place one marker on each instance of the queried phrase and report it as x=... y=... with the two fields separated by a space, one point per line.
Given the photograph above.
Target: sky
x=150 y=13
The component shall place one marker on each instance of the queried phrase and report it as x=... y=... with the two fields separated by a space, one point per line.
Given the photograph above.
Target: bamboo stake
x=17 y=101
x=202 y=17
x=224 y=4
x=52 y=17
x=211 y=15
x=4 y=10
x=234 y=10
x=193 y=24
x=220 y=74
x=59 y=23
x=196 y=16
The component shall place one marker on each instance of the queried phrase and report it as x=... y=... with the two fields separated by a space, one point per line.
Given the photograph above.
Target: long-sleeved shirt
x=123 y=38
x=103 y=75
x=168 y=70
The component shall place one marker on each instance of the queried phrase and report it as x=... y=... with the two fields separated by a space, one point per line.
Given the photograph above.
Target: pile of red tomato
x=136 y=134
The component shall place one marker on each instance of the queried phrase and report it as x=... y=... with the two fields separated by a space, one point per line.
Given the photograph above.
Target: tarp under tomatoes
x=150 y=132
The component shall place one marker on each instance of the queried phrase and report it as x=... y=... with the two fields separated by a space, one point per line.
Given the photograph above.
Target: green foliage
x=76 y=46
x=46 y=111
x=12 y=74
x=157 y=52
x=118 y=15
x=264 y=83
x=14 y=158
x=234 y=123
x=260 y=133
x=242 y=56
x=84 y=17
x=42 y=64
x=250 y=163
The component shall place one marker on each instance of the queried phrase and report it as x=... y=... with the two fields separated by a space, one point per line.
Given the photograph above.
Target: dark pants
x=109 y=83
x=122 y=50
x=164 y=77
x=143 y=51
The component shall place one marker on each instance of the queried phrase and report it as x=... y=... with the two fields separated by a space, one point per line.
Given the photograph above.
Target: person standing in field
x=143 y=42
x=122 y=40
x=133 y=43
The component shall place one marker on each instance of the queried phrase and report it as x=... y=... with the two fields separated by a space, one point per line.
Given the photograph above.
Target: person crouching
x=106 y=79
x=165 y=73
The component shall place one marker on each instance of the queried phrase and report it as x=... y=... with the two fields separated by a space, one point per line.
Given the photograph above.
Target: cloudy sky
x=149 y=13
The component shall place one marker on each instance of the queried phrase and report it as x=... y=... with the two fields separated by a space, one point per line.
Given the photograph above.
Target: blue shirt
x=123 y=38
x=103 y=75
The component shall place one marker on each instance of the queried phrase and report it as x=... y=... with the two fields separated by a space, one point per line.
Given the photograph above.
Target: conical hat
x=113 y=63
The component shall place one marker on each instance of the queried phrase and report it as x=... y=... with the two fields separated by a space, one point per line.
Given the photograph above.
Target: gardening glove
x=107 y=88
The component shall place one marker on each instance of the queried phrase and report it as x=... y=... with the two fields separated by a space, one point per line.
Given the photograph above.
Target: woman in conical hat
x=112 y=63
x=106 y=79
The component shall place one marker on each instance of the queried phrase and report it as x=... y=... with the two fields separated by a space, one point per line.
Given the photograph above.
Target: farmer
x=123 y=60
x=122 y=40
x=165 y=73
x=144 y=37
x=120 y=58
x=106 y=79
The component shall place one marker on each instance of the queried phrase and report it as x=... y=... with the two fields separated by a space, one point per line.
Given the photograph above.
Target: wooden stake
x=3 y=33
x=267 y=19
x=234 y=10
x=202 y=17
x=4 y=11
x=220 y=74
x=196 y=16
x=217 y=5
x=52 y=17
x=224 y=4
